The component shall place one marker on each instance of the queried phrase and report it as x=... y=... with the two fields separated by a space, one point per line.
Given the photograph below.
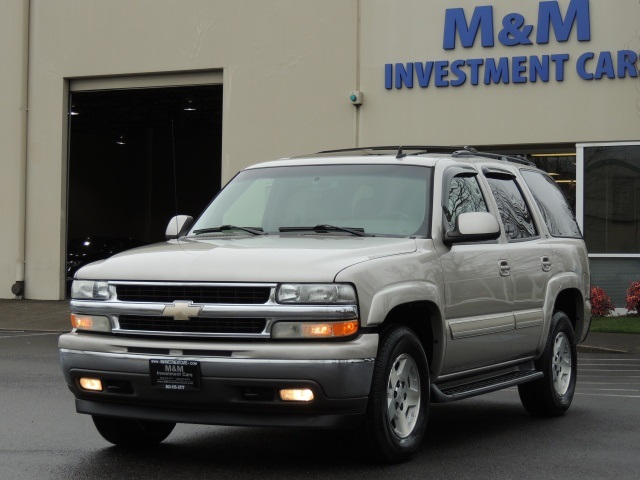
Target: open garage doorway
x=136 y=156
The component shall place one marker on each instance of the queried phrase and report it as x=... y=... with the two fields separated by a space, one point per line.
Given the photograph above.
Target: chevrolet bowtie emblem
x=181 y=310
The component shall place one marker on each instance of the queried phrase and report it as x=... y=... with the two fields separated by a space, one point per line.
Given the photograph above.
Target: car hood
x=273 y=258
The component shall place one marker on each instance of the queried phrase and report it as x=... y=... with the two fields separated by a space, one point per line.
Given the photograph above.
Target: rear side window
x=514 y=211
x=553 y=205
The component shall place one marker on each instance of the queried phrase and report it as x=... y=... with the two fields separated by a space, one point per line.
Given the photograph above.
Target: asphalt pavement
x=53 y=316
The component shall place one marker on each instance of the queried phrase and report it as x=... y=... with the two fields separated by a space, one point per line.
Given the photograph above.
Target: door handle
x=546 y=264
x=505 y=268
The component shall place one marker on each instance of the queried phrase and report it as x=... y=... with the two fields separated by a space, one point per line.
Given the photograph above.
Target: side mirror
x=178 y=226
x=473 y=227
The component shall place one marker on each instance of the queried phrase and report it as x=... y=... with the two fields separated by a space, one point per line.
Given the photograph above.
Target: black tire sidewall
x=394 y=342
x=561 y=324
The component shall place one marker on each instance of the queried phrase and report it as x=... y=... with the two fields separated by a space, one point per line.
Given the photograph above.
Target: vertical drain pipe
x=358 y=59
x=18 y=288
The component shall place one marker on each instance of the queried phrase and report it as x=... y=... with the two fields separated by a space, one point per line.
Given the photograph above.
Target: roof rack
x=400 y=151
x=394 y=149
x=468 y=151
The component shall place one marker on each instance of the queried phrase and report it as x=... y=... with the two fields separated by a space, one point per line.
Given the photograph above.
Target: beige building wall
x=287 y=67
x=574 y=110
x=13 y=114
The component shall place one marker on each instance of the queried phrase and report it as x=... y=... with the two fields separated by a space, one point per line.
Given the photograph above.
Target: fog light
x=296 y=395
x=93 y=384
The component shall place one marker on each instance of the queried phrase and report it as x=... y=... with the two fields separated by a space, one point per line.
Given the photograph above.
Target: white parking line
x=609 y=364
x=585 y=370
x=27 y=335
x=607 y=395
x=616 y=390
x=602 y=383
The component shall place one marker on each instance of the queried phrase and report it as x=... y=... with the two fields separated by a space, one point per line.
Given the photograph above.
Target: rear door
x=529 y=259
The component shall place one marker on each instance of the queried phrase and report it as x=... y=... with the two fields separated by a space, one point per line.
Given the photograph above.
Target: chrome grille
x=193 y=325
x=212 y=294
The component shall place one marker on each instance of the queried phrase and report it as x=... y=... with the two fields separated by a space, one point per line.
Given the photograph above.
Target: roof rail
x=401 y=151
x=393 y=149
x=469 y=152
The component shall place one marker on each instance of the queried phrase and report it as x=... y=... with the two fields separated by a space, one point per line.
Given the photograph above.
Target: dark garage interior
x=138 y=156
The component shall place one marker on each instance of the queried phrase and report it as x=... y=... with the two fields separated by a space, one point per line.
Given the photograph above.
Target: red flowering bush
x=601 y=305
x=633 y=297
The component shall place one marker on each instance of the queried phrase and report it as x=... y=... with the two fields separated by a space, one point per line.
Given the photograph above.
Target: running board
x=458 y=392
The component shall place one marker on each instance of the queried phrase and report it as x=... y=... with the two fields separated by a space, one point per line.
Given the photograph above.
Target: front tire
x=552 y=394
x=126 y=432
x=398 y=408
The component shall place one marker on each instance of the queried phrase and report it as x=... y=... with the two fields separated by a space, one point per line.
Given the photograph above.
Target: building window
x=612 y=199
x=610 y=214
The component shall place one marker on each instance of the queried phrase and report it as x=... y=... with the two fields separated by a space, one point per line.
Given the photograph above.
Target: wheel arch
x=570 y=301
x=566 y=293
x=424 y=318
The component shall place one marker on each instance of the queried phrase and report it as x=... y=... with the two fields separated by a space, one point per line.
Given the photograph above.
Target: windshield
x=390 y=200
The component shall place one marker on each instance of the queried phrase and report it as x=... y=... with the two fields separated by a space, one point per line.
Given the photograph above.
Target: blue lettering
x=518 y=68
x=441 y=72
x=423 y=72
x=455 y=23
x=475 y=63
x=496 y=73
x=458 y=72
x=549 y=17
x=581 y=65
x=604 y=66
x=627 y=63
x=404 y=75
x=560 y=59
x=539 y=68
x=388 y=76
x=514 y=31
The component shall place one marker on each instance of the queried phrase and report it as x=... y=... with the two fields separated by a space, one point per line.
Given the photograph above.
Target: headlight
x=90 y=290
x=325 y=293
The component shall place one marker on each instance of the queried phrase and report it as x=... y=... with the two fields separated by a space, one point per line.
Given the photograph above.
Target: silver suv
x=342 y=289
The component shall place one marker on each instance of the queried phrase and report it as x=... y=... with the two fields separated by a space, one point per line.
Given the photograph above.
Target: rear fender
x=558 y=284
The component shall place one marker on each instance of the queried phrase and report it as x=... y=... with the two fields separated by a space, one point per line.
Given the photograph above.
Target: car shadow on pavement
x=475 y=430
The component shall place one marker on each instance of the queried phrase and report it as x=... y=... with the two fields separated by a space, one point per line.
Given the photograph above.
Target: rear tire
x=126 y=432
x=552 y=394
x=396 y=418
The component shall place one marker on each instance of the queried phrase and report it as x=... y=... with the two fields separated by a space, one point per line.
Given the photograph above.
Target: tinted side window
x=554 y=207
x=513 y=209
x=464 y=196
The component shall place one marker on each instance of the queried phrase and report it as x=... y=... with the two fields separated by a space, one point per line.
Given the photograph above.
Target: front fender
x=392 y=296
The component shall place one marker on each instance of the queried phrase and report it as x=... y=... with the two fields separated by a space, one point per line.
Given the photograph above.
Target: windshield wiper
x=325 y=229
x=223 y=228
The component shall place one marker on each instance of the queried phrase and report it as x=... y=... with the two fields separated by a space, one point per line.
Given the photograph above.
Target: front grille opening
x=197 y=294
x=193 y=325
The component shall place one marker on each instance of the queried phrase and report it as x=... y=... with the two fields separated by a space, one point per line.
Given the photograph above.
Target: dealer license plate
x=174 y=374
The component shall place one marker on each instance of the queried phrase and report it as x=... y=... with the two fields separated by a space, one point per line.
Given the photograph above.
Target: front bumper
x=239 y=382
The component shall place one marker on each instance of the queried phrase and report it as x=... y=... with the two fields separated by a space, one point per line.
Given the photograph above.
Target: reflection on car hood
x=273 y=258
